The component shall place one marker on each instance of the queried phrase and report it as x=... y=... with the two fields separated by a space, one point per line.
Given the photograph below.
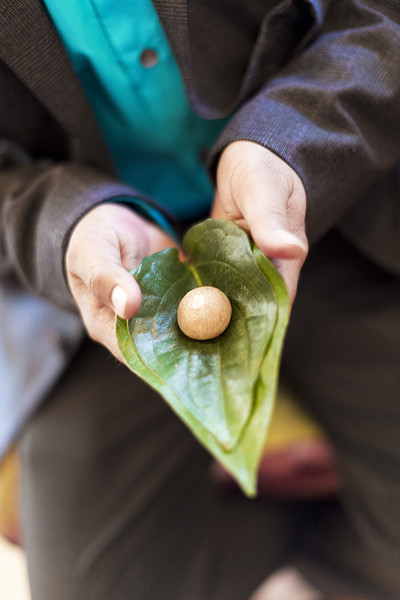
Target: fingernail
x=289 y=239
x=119 y=299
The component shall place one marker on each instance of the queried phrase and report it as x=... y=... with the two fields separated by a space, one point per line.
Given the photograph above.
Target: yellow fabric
x=9 y=477
x=290 y=422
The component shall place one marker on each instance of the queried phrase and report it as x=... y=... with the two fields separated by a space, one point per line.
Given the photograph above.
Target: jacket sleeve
x=333 y=111
x=39 y=205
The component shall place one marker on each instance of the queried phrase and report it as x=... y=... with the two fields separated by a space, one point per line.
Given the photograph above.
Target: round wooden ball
x=204 y=313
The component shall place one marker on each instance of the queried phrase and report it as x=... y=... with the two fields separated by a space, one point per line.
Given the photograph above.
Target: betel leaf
x=223 y=389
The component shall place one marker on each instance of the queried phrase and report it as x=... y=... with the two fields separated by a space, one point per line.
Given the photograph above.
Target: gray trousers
x=117 y=499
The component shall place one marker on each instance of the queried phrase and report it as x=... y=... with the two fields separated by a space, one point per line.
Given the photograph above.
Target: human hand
x=260 y=192
x=105 y=245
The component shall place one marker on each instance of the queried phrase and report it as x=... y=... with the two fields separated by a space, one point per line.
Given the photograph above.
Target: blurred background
x=13 y=576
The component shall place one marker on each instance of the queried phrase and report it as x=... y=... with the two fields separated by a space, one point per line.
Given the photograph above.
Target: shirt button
x=149 y=58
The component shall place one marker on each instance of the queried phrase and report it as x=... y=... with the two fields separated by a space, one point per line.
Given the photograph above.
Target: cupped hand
x=105 y=245
x=260 y=192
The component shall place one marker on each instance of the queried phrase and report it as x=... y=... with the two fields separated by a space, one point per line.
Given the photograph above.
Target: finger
x=290 y=272
x=95 y=267
x=256 y=186
x=100 y=326
x=111 y=285
x=265 y=210
x=217 y=210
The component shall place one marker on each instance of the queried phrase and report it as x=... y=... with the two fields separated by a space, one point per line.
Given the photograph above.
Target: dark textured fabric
x=116 y=494
x=342 y=354
x=117 y=502
x=31 y=48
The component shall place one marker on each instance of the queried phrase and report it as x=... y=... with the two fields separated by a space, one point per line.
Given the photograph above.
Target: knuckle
x=232 y=212
x=93 y=280
x=276 y=212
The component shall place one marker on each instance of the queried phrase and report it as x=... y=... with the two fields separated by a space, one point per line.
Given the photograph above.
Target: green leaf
x=223 y=389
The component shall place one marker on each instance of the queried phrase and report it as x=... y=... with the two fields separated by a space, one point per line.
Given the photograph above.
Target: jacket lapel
x=29 y=45
x=173 y=16
x=212 y=47
x=227 y=50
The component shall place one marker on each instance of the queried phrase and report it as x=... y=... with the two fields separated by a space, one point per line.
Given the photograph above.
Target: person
x=297 y=104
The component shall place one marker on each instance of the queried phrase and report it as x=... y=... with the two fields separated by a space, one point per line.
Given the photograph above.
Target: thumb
x=265 y=211
x=262 y=192
x=116 y=288
x=107 y=283
x=96 y=274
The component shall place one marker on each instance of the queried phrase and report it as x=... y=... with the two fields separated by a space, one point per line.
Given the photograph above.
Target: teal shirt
x=154 y=136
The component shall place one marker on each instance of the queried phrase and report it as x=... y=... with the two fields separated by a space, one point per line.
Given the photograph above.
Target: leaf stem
x=195 y=275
